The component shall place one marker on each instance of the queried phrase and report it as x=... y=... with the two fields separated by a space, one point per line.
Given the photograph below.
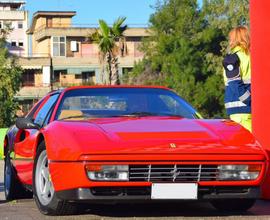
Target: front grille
x=173 y=173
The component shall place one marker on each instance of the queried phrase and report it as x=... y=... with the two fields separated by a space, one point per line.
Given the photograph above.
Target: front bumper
x=72 y=175
x=118 y=194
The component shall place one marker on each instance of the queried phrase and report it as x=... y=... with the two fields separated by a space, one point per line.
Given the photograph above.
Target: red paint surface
x=120 y=136
x=260 y=55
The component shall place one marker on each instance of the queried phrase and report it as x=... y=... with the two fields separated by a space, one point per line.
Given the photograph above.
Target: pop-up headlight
x=107 y=172
x=239 y=172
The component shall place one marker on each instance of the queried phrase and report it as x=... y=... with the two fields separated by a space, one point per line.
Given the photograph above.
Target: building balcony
x=34 y=62
x=13 y=15
x=32 y=92
x=46 y=32
x=77 y=31
x=75 y=61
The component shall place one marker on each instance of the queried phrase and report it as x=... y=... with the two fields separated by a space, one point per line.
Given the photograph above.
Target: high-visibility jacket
x=238 y=91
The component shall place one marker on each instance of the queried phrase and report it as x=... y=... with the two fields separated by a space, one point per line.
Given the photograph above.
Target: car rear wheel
x=233 y=205
x=12 y=186
x=43 y=189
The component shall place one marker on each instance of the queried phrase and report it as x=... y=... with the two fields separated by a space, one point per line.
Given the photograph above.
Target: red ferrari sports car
x=126 y=144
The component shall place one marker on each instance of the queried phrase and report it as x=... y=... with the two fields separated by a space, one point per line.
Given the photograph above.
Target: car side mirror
x=26 y=123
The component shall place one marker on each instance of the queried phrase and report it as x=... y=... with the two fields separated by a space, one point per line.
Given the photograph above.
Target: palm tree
x=106 y=38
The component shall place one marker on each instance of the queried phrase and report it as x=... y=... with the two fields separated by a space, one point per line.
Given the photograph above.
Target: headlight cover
x=108 y=172
x=239 y=172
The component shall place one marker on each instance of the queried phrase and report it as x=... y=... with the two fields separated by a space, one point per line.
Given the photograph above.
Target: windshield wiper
x=140 y=114
x=145 y=114
x=172 y=115
x=75 y=116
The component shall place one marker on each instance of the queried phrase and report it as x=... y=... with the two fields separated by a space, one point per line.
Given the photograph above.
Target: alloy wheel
x=43 y=183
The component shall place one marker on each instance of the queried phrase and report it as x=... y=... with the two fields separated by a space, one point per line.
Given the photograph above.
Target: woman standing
x=237 y=77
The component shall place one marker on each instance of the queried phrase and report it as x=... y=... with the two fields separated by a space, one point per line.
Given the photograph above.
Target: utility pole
x=51 y=73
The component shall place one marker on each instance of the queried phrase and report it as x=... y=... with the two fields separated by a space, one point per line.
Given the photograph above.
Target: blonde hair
x=239 y=36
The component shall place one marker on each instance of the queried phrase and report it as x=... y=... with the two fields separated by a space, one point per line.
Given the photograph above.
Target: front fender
x=63 y=143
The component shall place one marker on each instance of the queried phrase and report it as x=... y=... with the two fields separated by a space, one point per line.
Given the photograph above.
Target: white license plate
x=174 y=191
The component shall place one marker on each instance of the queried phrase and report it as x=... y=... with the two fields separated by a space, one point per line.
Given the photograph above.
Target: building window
x=28 y=78
x=13 y=43
x=20 y=25
x=20 y=43
x=58 y=74
x=59 y=46
x=88 y=77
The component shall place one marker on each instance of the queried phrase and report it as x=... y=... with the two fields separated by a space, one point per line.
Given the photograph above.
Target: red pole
x=260 y=64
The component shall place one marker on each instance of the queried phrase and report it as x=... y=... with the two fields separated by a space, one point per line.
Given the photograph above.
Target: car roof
x=118 y=86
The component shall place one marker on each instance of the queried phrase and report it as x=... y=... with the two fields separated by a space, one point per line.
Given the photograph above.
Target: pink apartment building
x=12 y=13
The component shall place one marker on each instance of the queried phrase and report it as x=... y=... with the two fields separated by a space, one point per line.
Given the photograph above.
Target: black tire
x=54 y=205
x=12 y=186
x=233 y=205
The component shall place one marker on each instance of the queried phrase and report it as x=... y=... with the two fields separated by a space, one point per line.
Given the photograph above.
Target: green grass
x=2 y=136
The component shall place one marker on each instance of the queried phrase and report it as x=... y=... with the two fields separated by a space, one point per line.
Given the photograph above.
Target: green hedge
x=2 y=136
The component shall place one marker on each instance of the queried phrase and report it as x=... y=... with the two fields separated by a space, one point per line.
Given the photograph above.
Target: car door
x=25 y=140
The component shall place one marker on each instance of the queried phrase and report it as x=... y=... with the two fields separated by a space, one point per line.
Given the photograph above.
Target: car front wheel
x=233 y=205
x=43 y=189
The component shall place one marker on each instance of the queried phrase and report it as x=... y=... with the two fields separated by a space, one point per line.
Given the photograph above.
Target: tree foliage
x=10 y=75
x=106 y=38
x=186 y=47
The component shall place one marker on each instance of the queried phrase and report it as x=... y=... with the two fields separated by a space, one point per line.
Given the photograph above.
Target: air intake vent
x=173 y=173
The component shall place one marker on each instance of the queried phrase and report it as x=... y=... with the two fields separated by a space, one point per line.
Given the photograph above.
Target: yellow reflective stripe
x=245 y=96
x=234 y=104
x=246 y=81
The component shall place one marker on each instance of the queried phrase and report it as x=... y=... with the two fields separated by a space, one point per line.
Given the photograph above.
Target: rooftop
x=17 y=2
x=73 y=30
x=54 y=13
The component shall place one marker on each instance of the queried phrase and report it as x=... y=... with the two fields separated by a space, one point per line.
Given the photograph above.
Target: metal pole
x=52 y=73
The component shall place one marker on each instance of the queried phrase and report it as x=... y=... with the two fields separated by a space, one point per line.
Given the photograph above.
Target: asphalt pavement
x=26 y=209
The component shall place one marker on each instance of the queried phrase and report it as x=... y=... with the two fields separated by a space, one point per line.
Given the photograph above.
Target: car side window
x=45 y=109
x=31 y=114
x=47 y=119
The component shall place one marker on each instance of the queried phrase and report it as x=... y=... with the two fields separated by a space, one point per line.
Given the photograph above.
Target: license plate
x=174 y=191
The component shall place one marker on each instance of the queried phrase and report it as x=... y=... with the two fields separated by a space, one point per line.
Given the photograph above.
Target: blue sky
x=89 y=11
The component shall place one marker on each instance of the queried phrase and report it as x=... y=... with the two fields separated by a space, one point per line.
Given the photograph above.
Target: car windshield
x=122 y=102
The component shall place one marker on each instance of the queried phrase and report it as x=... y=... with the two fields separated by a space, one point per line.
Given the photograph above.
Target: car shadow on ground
x=184 y=209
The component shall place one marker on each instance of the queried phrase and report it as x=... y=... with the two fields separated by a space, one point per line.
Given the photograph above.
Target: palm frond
x=118 y=28
x=104 y=28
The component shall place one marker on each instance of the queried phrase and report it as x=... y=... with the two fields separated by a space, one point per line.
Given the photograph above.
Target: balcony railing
x=28 y=83
x=89 y=26
x=28 y=55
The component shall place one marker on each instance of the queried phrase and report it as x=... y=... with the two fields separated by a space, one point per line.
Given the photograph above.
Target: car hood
x=155 y=135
